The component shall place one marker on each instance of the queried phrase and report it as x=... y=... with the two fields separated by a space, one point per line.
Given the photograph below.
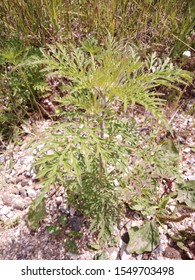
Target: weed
x=98 y=156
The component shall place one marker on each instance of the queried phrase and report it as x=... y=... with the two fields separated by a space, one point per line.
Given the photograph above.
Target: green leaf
x=101 y=256
x=170 y=148
x=36 y=212
x=71 y=246
x=163 y=202
x=94 y=246
x=186 y=193
x=63 y=220
x=53 y=229
x=143 y=239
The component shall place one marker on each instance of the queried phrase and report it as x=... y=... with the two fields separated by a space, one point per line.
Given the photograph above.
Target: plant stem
x=102 y=127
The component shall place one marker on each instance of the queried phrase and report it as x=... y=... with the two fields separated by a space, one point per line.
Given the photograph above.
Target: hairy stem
x=100 y=157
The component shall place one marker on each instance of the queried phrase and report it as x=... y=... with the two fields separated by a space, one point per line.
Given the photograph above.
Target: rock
x=190 y=178
x=22 y=192
x=139 y=257
x=10 y=215
x=86 y=256
x=17 y=232
x=63 y=208
x=123 y=254
x=19 y=179
x=187 y=150
x=75 y=223
x=31 y=193
x=12 y=189
x=2 y=159
x=19 y=204
x=15 y=216
x=7 y=199
x=72 y=256
x=112 y=253
x=172 y=253
x=24 y=182
x=4 y=211
x=58 y=200
x=37 y=187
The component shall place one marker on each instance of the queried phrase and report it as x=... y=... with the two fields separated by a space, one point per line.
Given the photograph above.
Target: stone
x=75 y=223
x=10 y=215
x=172 y=253
x=7 y=199
x=187 y=150
x=2 y=159
x=4 y=211
x=24 y=182
x=63 y=208
x=31 y=193
x=72 y=256
x=190 y=178
x=58 y=200
x=112 y=253
x=22 y=192
x=123 y=253
x=19 y=204
x=12 y=189
x=139 y=257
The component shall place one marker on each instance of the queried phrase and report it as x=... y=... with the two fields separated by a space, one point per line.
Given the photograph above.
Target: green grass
x=149 y=24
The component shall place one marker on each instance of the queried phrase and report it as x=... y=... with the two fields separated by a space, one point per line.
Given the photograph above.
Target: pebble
x=172 y=253
x=2 y=159
x=13 y=189
x=19 y=179
x=190 y=178
x=31 y=193
x=10 y=215
x=7 y=199
x=112 y=253
x=24 y=182
x=187 y=150
x=72 y=256
x=139 y=257
x=63 y=208
x=75 y=223
x=59 y=200
x=19 y=204
x=13 y=173
x=4 y=211
x=22 y=192
x=123 y=254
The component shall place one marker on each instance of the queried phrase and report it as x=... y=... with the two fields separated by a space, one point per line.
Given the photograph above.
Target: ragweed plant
x=92 y=152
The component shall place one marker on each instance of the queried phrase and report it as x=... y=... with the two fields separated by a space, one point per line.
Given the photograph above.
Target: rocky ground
x=18 y=187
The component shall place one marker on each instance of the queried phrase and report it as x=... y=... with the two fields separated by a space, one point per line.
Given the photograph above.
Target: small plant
x=20 y=86
x=97 y=154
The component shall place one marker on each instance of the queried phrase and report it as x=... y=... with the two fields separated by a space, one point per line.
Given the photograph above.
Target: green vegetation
x=96 y=60
x=97 y=155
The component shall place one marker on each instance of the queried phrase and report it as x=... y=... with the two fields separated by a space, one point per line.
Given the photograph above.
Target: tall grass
x=148 y=23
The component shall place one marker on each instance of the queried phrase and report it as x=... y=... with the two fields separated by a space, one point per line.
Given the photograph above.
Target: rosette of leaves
x=90 y=151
